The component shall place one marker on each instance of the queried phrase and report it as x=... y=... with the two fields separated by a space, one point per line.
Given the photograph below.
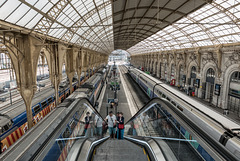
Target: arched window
x=210 y=76
x=235 y=77
x=193 y=72
x=209 y=86
x=234 y=92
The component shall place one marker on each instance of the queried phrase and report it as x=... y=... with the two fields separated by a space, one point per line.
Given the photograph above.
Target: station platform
x=123 y=105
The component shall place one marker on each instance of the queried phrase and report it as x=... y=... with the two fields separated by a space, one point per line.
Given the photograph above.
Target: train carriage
x=219 y=129
x=14 y=124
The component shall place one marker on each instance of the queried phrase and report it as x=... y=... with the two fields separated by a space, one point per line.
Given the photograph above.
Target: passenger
x=120 y=130
x=144 y=119
x=98 y=125
x=87 y=128
x=111 y=120
x=116 y=136
x=111 y=105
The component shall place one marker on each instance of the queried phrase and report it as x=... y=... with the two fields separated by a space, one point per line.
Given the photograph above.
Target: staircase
x=119 y=150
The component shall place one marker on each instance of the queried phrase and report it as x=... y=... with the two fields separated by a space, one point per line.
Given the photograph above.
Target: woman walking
x=120 y=130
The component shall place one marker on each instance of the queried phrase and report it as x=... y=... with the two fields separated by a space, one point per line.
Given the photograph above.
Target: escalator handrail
x=88 y=155
x=46 y=142
x=94 y=109
x=203 y=134
x=147 y=105
x=155 y=153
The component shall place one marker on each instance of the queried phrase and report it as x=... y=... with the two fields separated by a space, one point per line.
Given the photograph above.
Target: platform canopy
x=138 y=26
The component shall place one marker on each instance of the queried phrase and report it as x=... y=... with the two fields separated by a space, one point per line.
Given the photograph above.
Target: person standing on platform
x=98 y=125
x=120 y=130
x=111 y=120
x=87 y=129
x=117 y=115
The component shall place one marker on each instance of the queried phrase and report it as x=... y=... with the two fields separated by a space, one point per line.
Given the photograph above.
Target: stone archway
x=226 y=81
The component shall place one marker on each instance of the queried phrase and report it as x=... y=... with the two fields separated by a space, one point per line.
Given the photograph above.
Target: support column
x=198 y=60
x=70 y=66
x=57 y=53
x=79 y=66
x=24 y=54
x=219 y=60
x=158 y=65
x=55 y=71
x=84 y=63
x=43 y=62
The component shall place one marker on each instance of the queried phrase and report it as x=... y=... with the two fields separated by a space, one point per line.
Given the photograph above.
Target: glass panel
x=18 y=13
x=8 y=8
x=156 y=122
x=26 y=18
x=84 y=122
x=209 y=21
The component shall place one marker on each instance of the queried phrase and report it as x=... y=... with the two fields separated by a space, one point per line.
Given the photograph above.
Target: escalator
x=155 y=132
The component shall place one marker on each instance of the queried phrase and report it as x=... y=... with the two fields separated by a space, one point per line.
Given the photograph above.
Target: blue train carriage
x=18 y=126
x=94 y=84
x=12 y=129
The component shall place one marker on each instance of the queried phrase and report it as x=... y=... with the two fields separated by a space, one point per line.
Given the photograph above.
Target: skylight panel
x=90 y=22
x=90 y=5
x=34 y=21
x=43 y=5
x=26 y=18
x=47 y=7
x=99 y=2
x=18 y=13
x=75 y=38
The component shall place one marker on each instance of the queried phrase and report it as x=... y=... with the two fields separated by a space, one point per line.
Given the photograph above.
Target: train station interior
x=120 y=80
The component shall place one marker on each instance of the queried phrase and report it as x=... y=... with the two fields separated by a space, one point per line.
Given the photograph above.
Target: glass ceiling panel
x=8 y=8
x=33 y=22
x=214 y=21
x=68 y=17
x=18 y=14
x=27 y=18
x=46 y=7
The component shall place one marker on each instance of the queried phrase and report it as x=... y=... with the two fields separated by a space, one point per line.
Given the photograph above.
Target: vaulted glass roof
x=214 y=24
x=84 y=22
x=141 y=26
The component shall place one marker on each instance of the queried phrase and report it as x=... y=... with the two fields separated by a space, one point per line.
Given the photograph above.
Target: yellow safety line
x=148 y=158
x=146 y=154
x=144 y=151
x=94 y=152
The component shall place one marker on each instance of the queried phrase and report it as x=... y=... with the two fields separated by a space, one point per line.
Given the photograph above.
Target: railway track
x=139 y=102
x=19 y=101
